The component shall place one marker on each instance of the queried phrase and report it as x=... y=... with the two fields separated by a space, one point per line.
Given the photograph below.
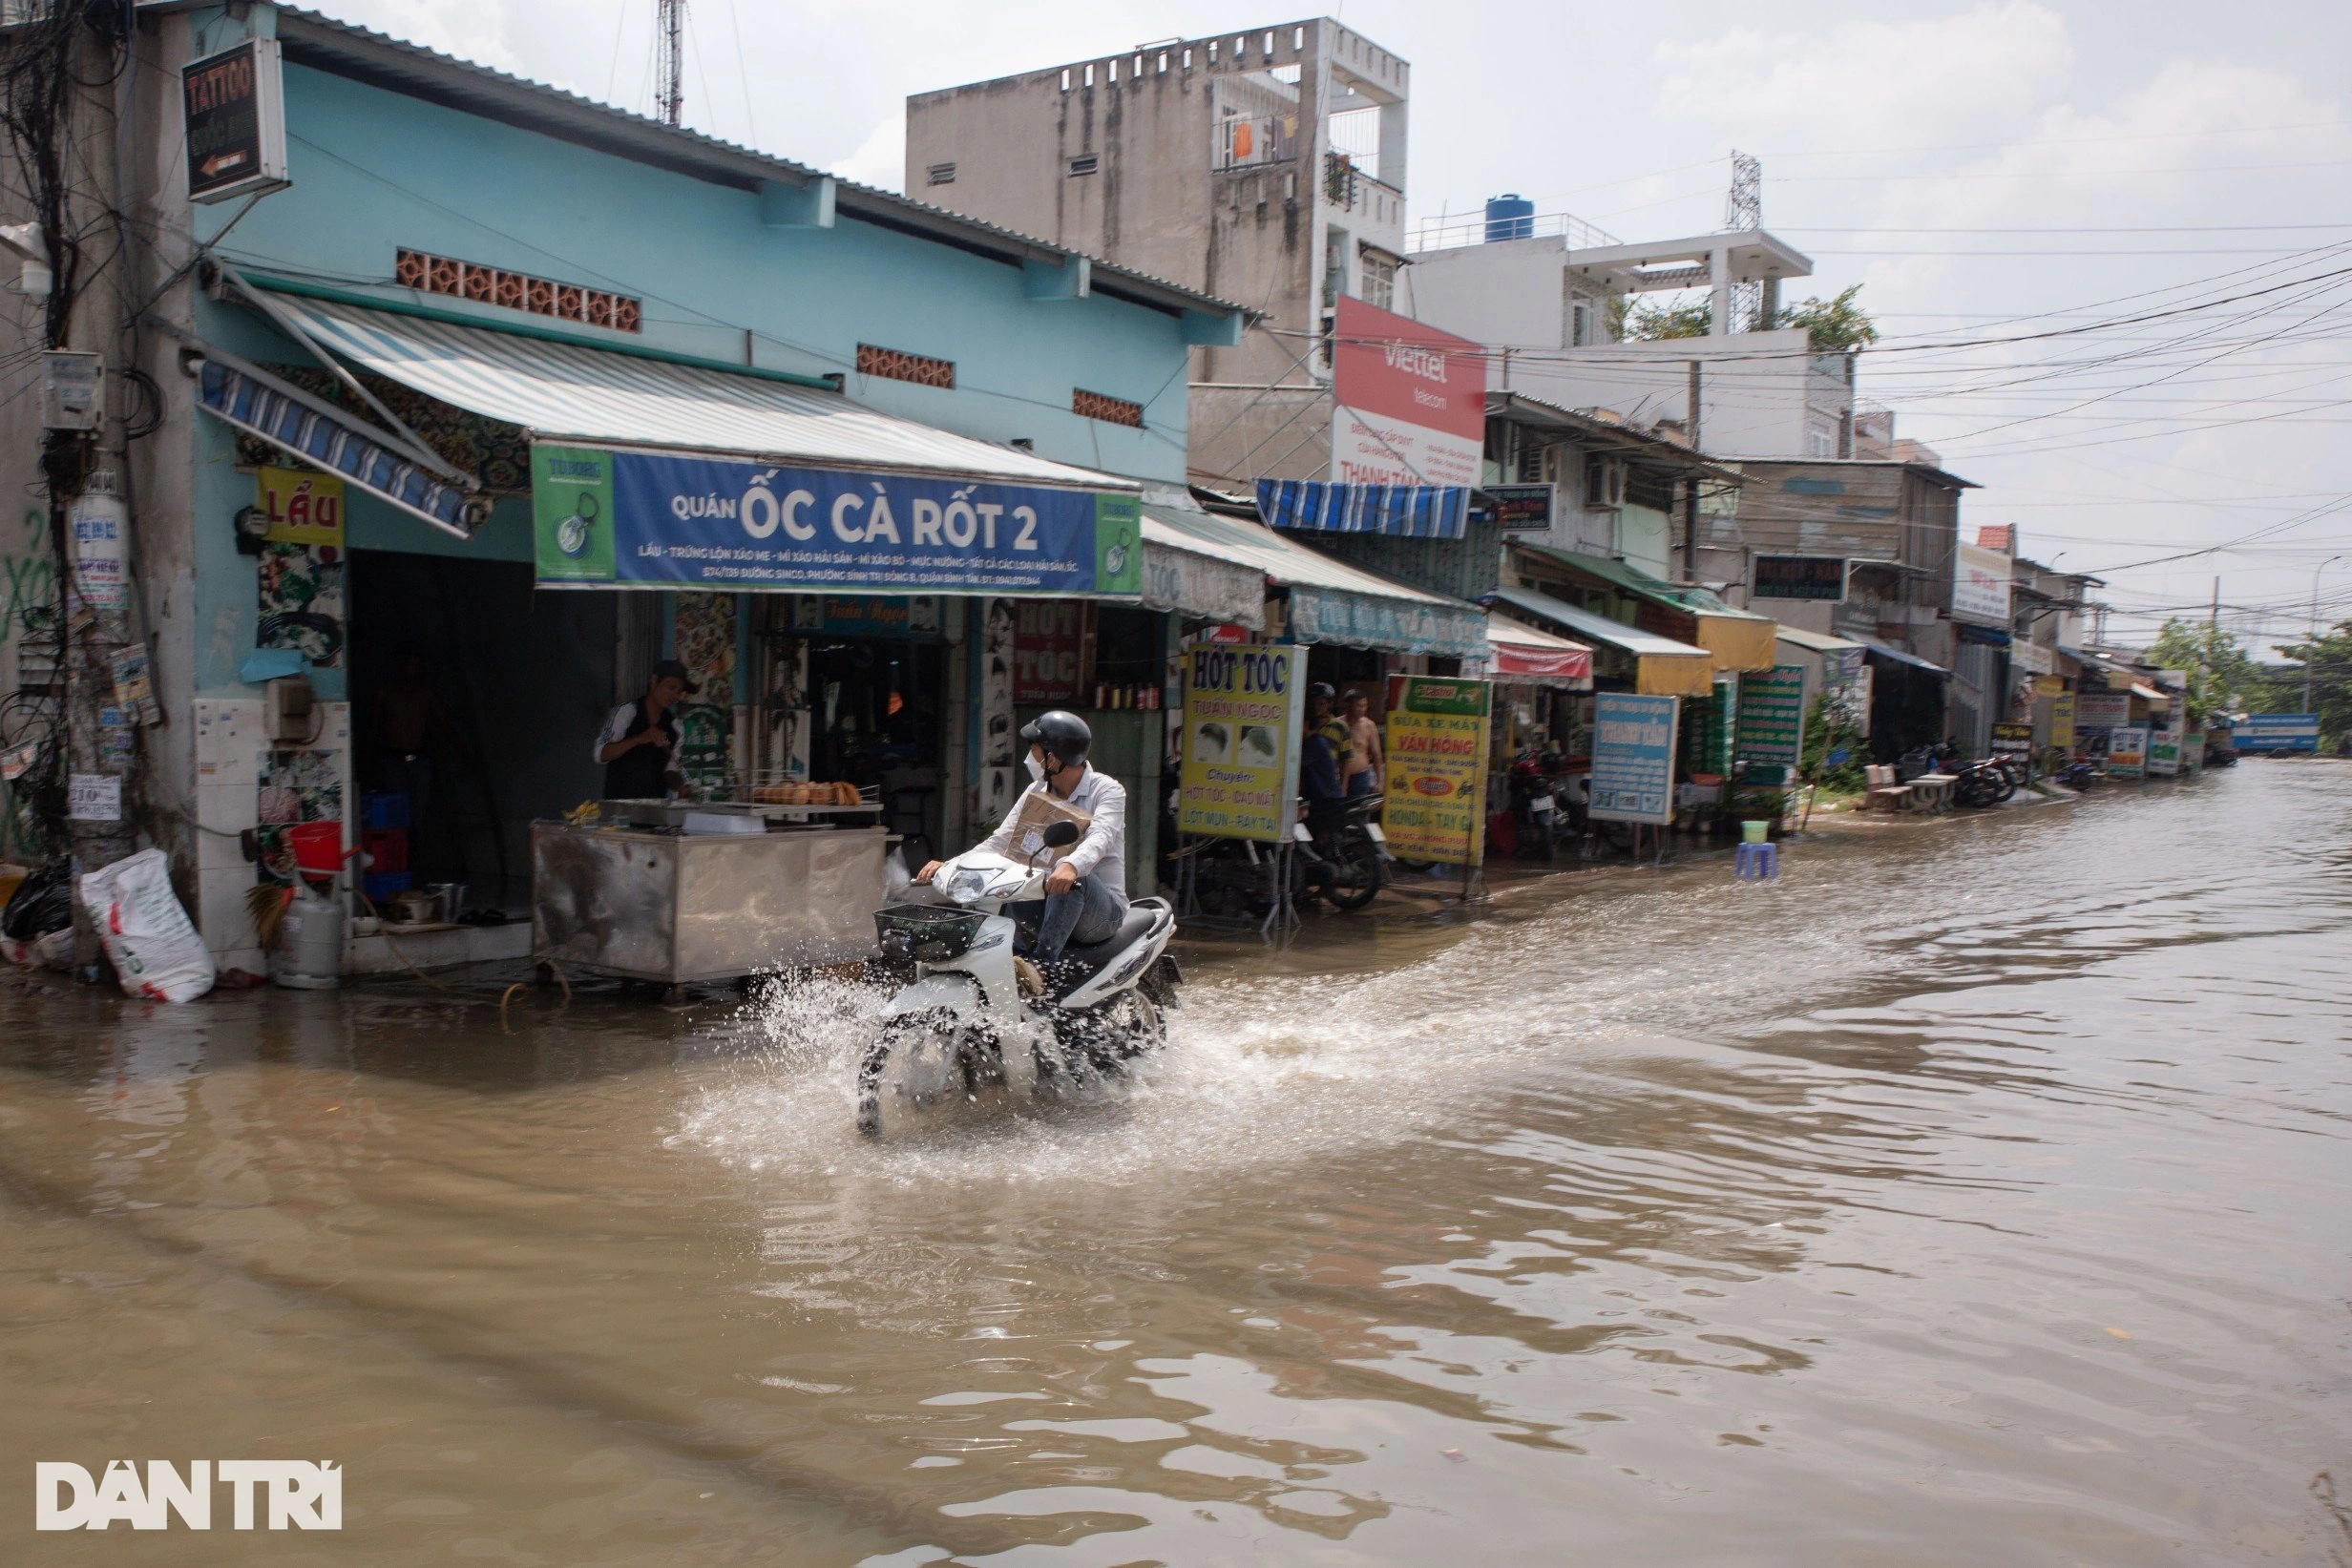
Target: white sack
x=147 y=936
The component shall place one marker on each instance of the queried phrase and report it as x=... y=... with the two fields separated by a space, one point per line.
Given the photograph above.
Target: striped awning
x=294 y=422
x=567 y=392
x=1405 y=512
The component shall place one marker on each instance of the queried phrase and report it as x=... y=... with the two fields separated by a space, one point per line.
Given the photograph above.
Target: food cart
x=675 y=891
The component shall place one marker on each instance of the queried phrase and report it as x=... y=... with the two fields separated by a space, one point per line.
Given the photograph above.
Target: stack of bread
x=838 y=792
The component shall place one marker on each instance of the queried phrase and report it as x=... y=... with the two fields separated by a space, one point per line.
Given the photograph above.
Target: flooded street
x=1975 y=1194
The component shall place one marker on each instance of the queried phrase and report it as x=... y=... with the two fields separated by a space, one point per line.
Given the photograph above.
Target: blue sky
x=1971 y=165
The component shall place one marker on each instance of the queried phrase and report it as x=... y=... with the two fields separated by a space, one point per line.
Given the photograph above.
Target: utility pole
x=1743 y=213
x=670 y=28
x=1690 y=491
x=2315 y=628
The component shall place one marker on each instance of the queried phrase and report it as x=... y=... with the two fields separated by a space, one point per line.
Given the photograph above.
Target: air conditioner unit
x=1604 y=482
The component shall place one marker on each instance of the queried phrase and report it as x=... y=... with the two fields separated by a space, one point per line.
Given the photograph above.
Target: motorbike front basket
x=926 y=932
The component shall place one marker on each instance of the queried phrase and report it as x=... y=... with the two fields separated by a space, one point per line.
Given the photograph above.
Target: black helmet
x=1063 y=735
x=1323 y=690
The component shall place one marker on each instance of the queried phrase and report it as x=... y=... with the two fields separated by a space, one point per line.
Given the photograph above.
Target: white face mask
x=1036 y=770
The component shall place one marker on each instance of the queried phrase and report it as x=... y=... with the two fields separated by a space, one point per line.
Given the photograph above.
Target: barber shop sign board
x=631 y=519
x=1243 y=707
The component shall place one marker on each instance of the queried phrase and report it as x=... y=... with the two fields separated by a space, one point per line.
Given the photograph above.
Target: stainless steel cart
x=647 y=902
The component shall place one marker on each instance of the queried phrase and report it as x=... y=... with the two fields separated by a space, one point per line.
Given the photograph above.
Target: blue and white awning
x=289 y=419
x=1405 y=512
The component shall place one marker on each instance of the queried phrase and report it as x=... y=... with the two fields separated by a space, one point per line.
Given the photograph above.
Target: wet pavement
x=1973 y=1194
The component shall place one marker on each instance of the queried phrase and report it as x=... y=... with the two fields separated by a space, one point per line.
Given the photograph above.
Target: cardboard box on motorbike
x=1037 y=811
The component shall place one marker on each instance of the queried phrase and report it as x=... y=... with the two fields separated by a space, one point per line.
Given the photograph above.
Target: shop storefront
x=799 y=436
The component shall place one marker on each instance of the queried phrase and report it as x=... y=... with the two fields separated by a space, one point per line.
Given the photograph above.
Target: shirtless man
x=1365 y=762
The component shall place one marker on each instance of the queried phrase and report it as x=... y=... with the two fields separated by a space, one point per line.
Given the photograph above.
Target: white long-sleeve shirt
x=1101 y=852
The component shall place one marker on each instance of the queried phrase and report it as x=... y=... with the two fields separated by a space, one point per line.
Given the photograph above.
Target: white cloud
x=1874 y=84
x=881 y=159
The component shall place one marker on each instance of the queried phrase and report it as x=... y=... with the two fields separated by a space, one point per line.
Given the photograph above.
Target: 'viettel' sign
x=235 y=121
x=1820 y=579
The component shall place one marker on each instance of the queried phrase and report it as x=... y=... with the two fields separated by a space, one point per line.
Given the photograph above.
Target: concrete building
x=1541 y=291
x=464 y=267
x=1264 y=165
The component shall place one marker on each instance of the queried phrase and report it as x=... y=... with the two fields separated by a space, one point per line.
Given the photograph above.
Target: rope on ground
x=553 y=968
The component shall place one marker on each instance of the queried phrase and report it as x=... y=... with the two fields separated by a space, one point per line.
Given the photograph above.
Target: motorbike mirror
x=1061 y=835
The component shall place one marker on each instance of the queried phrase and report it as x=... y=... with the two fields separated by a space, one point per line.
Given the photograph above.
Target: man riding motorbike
x=1086 y=893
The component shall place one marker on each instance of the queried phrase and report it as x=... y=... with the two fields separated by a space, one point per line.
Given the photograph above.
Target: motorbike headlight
x=966 y=885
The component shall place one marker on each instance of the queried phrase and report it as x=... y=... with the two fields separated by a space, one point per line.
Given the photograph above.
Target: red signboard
x=1385 y=366
x=1528 y=663
x=1052 y=650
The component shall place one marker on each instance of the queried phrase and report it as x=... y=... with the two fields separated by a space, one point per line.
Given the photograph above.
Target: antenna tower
x=670 y=30
x=1743 y=212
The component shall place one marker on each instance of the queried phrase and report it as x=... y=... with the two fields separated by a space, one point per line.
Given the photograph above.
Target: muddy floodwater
x=1975 y=1194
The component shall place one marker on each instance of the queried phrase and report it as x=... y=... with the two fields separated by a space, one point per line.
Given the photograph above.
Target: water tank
x=1509 y=218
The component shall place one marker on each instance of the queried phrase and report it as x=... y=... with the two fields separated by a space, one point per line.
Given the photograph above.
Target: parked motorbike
x=2077 y=775
x=1543 y=817
x=1338 y=853
x=972 y=1020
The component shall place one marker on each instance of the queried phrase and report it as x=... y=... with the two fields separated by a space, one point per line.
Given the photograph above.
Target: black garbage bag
x=42 y=903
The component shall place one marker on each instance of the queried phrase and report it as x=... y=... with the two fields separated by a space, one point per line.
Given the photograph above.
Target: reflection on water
x=1970 y=1195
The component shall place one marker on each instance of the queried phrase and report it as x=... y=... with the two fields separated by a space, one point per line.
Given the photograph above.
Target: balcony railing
x=1456 y=229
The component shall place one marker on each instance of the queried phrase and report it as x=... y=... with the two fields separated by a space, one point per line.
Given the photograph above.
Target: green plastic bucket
x=1754 y=832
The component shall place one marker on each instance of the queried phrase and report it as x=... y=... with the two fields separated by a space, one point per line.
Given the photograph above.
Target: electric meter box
x=73 y=390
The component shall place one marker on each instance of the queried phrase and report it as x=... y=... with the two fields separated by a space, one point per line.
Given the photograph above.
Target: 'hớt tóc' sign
x=1434 y=746
x=608 y=518
x=1242 y=707
x=1052 y=650
x=1634 y=758
x=1819 y=580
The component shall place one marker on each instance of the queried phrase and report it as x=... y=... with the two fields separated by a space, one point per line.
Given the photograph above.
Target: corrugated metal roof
x=318 y=40
x=1503 y=629
x=568 y=391
x=1292 y=565
x=1585 y=623
x=1819 y=642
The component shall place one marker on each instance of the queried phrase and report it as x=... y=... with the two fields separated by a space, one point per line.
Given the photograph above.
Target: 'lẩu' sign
x=608 y=518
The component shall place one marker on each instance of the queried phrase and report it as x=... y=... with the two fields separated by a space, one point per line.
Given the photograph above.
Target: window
x=897 y=365
x=939 y=173
x=1379 y=278
x=1650 y=488
x=1066 y=78
x=1085 y=163
x=1090 y=75
x=1580 y=323
x=1111 y=410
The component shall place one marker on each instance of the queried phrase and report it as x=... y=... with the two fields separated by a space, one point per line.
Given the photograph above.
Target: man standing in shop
x=639 y=742
x=1364 y=762
x=1324 y=749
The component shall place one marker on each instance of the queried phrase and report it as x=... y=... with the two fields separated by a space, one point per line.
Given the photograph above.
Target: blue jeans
x=1087 y=913
x=1363 y=783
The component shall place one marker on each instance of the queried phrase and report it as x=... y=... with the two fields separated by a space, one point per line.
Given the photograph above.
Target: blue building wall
x=374 y=171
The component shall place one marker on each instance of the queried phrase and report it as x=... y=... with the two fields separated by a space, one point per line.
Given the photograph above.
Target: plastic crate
x=386 y=848
x=384 y=810
x=380 y=886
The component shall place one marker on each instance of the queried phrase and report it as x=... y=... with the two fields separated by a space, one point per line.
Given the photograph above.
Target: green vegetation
x=1832 y=326
x=1828 y=729
x=1837 y=325
x=2221 y=673
x=2328 y=657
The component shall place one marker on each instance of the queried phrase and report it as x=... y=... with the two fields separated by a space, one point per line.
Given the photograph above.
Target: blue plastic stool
x=1758 y=863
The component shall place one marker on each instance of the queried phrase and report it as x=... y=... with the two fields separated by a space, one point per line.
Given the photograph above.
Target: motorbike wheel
x=1100 y=1041
x=1355 y=874
x=911 y=1073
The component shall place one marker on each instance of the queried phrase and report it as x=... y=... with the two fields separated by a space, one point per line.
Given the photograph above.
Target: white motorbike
x=973 y=1021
